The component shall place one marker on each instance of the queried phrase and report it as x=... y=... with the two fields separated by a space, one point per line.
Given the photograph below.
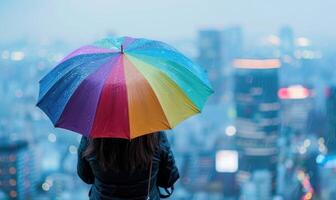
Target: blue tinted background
x=39 y=162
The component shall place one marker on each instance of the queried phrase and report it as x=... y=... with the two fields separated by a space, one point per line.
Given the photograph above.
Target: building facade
x=17 y=176
x=257 y=110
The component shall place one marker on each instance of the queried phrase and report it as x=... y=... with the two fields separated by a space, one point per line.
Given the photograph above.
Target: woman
x=121 y=169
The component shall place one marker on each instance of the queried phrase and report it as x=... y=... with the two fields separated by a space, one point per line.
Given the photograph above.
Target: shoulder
x=162 y=137
x=83 y=150
x=84 y=143
x=163 y=141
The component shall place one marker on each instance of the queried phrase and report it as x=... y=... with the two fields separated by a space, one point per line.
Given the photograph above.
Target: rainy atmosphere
x=222 y=100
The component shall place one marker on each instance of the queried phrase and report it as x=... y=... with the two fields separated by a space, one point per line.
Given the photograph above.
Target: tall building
x=217 y=50
x=328 y=177
x=297 y=102
x=210 y=58
x=258 y=187
x=286 y=35
x=257 y=110
x=17 y=177
x=209 y=42
x=199 y=170
x=330 y=136
x=232 y=45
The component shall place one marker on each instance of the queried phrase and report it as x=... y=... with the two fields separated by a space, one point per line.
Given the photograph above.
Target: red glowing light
x=294 y=92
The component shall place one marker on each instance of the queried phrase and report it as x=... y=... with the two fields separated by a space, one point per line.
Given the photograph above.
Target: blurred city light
x=305 y=182
x=226 y=161
x=230 y=131
x=308 y=54
x=256 y=63
x=302 y=150
x=52 y=137
x=294 y=92
x=303 y=42
x=328 y=161
x=319 y=159
x=267 y=132
x=72 y=149
x=274 y=40
x=17 y=55
x=45 y=186
x=307 y=143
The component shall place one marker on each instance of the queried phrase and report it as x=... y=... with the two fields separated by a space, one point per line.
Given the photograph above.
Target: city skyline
x=267 y=132
x=74 y=22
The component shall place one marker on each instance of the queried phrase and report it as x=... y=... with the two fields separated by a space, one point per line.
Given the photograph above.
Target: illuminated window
x=226 y=161
x=13 y=194
x=12 y=158
x=12 y=170
x=12 y=182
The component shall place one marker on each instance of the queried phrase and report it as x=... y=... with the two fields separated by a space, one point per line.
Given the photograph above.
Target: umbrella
x=123 y=88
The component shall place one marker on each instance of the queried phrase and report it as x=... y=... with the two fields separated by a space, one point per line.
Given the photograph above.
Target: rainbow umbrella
x=123 y=88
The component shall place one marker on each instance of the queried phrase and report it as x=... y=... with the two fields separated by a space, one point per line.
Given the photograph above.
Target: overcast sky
x=82 y=20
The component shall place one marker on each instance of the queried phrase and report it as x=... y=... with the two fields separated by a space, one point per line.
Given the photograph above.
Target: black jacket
x=108 y=185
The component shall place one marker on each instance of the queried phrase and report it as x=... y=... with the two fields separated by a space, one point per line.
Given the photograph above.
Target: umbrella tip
x=122 y=49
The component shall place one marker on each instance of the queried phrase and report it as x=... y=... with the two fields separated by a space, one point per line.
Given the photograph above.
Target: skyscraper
x=330 y=136
x=231 y=45
x=286 y=35
x=17 y=177
x=296 y=104
x=210 y=58
x=257 y=108
x=258 y=187
x=217 y=49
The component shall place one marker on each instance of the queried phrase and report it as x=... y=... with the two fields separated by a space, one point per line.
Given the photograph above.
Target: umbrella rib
x=152 y=66
x=100 y=95
x=193 y=107
x=207 y=90
x=51 y=73
x=139 y=54
x=152 y=87
x=87 y=50
x=104 y=99
x=86 y=54
x=103 y=71
x=155 y=95
x=155 y=42
x=62 y=78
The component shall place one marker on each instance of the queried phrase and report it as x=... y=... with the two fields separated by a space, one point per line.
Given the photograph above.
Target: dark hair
x=121 y=154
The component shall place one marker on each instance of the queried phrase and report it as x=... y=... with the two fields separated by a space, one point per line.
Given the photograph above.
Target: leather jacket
x=108 y=185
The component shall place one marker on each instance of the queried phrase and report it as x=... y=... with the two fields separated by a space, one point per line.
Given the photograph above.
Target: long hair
x=123 y=155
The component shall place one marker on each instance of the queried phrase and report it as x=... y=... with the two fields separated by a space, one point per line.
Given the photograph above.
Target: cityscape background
x=268 y=131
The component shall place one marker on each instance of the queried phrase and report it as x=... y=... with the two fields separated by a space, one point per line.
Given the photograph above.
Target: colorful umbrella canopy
x=123 y=88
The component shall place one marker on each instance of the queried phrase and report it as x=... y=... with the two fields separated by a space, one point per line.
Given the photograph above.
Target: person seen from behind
x=120 y=169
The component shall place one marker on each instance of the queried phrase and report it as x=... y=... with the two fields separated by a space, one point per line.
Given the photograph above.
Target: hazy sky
x=81 y=20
